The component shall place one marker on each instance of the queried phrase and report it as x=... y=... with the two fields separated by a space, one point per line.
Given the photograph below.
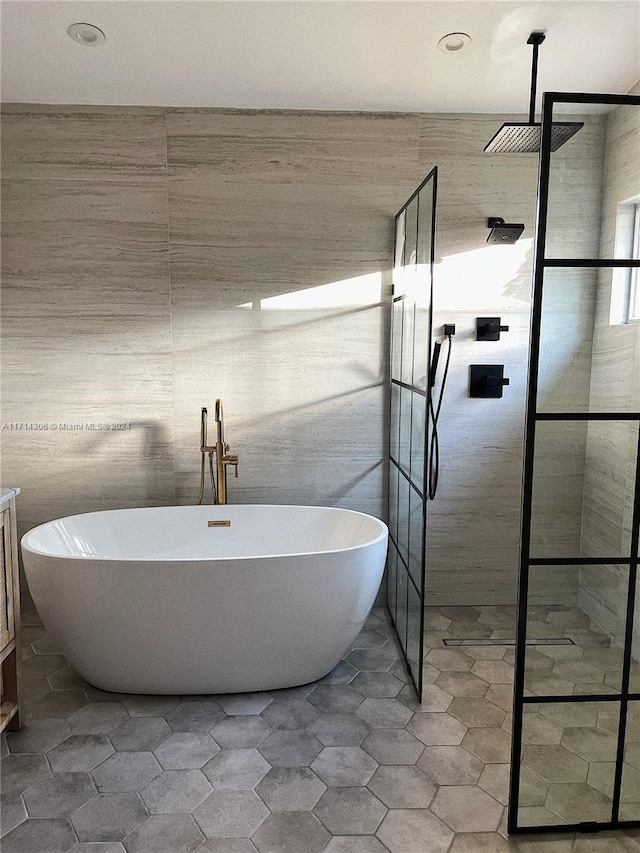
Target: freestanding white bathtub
x=157 y=601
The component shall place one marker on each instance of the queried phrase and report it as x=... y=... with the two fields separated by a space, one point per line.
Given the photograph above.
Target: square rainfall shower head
x=505 y=233
x=524 y=137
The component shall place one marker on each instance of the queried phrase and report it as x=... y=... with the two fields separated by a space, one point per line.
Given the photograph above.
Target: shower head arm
x=536 y=39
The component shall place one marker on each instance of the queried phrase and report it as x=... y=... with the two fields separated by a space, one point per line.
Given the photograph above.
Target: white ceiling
x=316 y=54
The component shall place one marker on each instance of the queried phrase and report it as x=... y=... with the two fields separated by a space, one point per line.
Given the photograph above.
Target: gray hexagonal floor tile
x=450 y=660
x=372 y=660
x=290 y=714
x=40 y=836
x=402 y=787
x=433 y=698
x=342 y=673
x=99 y=718
x=413 y=831
x=12 y=812
x=554 y=763
x=344 y=766
x=230 y=814
x=186 y=751
x=437 y=729
x=57 y=704
x=493 y=746
x=350 y=811
x=450 y=765
x=487 y=842
x=178 y=833
x=384 y=713
x=125 y=771
x=151 y=706
x=108 y=817
x=578 y=802
x=336 y=698
x=467 y=809
x=339 y=730
x=241 y=731
x=495 y=781
x=290 y=749
x=176 y=792
x=290 y=789
x=392 y=746
x=462 y=684
x=80 y=752
x=537 y=728
x=291 y=832
x=501 y=695
x=19 y=772
x=38 y=736
x=228 y=845
x=40 y=666
x=377 y=685
x=59 y=795
x=476 y=712
x=194 y=716
x=354 y=844
x=140 y=734
x=493 y=671
x=33 y=689
x=244 y=703
x=66 y=679
x=369 y=638
x=236 y=769
x=591 y=744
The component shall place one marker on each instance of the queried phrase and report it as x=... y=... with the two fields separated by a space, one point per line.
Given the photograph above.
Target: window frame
x=633 y=309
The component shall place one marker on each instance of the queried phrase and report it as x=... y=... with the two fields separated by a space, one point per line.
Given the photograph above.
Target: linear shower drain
x=542 y=641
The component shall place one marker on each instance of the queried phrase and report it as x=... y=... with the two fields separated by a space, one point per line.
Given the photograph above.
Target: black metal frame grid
x=542 y=263
x=395 y=463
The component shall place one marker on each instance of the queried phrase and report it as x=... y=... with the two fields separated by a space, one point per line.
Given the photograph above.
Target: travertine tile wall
x=157 y=259
x=615 y=386
x=86 y=333
x=132 y=237
x=276 y=205
x=474 y=530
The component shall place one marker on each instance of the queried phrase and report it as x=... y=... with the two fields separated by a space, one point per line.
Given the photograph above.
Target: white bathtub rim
x=159 y=559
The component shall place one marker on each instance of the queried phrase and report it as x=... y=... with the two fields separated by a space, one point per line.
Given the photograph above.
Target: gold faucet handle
x=231 y=459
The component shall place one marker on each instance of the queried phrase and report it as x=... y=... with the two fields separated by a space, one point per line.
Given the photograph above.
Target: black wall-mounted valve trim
x=489 y=328
x=487 y=380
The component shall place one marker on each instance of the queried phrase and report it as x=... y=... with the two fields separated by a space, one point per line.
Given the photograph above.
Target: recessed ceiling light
x=86 y=34
x=454 y=42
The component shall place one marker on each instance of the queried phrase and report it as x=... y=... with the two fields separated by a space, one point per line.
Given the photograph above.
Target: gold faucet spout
x=220 y=451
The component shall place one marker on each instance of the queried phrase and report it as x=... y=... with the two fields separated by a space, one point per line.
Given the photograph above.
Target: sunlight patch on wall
x=482 y=277
x=360 y=290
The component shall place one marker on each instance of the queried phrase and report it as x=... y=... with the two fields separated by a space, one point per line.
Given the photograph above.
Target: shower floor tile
x=351 y=764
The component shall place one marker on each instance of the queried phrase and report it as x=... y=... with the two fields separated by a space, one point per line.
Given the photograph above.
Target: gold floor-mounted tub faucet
x=222 y=456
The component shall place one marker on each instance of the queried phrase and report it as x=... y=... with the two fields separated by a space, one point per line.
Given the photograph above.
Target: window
x=625 y=281
x=633 y=315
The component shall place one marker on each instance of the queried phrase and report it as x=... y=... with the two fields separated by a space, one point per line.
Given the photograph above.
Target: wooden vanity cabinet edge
x=11 y=648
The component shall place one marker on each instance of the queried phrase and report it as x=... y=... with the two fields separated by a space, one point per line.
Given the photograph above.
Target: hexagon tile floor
x=350 y=764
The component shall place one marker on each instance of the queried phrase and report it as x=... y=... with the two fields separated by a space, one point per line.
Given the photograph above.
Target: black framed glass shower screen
x=409 y=393
x=576 y=713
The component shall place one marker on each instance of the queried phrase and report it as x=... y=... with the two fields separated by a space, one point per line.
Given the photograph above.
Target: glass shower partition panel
x=576 y=727
x=408 y=422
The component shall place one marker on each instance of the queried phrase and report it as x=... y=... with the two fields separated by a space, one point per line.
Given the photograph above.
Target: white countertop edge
x=7 y=494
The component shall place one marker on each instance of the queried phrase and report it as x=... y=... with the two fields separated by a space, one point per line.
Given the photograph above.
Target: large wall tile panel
x=615 y=386
x=85 y=310
x=281 y=229
x=157 y=259
x=474 y=522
